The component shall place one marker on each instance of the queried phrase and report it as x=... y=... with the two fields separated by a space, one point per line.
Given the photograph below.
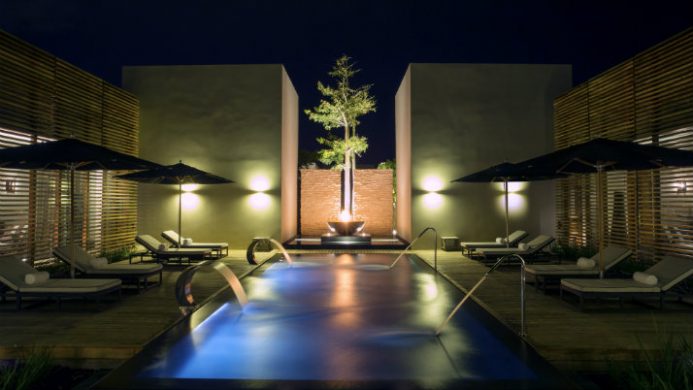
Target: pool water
x=341 y=319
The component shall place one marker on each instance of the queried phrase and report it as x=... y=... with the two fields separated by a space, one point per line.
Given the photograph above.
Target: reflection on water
x=338 y=322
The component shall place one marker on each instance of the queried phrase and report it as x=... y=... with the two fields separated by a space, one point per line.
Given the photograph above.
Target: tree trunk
x=347 y=182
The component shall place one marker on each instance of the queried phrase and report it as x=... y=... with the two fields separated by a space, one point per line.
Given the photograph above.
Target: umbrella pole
x=180 y=211
x=600 y=219
x=70 y=226
x=507 y=219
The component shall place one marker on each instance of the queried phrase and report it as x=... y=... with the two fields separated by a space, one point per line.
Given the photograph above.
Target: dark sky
x=307 y=36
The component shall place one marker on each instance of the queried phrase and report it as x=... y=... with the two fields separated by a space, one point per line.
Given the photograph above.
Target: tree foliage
x=341 y=107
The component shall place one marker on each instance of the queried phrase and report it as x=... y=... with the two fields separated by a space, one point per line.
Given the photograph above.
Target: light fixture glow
x=433 y=200
x=513 y=186
x=432 y=183
x=259 y=201
x=344 y=216
x=190 y=201
x=259 y=183
x=517 y=203
x=190 y=187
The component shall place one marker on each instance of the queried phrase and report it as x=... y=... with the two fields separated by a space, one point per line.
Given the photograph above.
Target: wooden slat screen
x=647 y=99
x=44 y=98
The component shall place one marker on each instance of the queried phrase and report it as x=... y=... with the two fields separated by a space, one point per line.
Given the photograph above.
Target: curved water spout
x=184 y=296
x=250 y=253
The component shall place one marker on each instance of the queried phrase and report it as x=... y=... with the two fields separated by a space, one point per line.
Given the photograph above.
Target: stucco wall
x=224 y=119
x=467 y=117
x=321 y=199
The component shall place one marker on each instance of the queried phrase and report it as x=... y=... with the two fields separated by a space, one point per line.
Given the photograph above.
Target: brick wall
x=321 y=199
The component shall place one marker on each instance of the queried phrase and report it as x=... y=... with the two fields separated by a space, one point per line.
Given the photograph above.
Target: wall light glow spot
x=517 y=203
x=190 y=187
x=259 y=183
x=259 y=201
x=432 y=183
x=433 y=200
x=513 y=186
x=190 y=201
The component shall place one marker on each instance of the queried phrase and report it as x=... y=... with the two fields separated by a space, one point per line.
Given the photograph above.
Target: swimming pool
x=338 y=321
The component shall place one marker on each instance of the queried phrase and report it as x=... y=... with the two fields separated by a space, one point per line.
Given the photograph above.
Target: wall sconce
x=259 y=200
x=432 y=184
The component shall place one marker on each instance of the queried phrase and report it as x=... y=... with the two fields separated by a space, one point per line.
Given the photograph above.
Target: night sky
x=307 y=36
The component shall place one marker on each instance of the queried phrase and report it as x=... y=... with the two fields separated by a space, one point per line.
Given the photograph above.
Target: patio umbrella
x=175 y=174
x=600 y=155
x=506 y=172
x=70 y=155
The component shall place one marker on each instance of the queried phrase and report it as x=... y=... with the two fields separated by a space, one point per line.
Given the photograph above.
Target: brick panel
x=321 y=199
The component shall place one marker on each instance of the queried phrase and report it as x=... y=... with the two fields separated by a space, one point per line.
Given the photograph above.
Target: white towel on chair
x=585 y=263
x=36 y=277
x=645 y=278
x=522 y=246
x=187 y=241
x=499 y=240
x=98 y=262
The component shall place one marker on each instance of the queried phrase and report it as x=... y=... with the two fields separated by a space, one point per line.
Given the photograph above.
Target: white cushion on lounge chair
x=522 y=246
x=36 y=277
x=89 y=264
x=98 y=262
x=609 y=286
x=533 y=246
x=613 y=254
x=152 y=244
x=585 y=263
x=173 y=237
x=669 y=272
x=645 y=278
x=71 y=286
x=514 y=238
x=559 y=270
x=13 y=269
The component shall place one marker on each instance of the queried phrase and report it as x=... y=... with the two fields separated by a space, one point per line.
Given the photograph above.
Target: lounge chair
x=514 y=238
x=219 y=249
x=160 y=252
x=544 y=273
x=526 y=250
x=668 y=272
x=91 y=266
x=24 y=281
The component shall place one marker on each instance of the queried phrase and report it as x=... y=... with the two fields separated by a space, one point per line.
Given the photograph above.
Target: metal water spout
x=184 y=296
x=454 y=311
x=435 y=248
x=250 y=253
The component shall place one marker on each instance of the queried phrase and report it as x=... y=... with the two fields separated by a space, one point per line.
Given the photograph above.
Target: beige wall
x=403 y=156
x=229 y=120
x=289 y=160
x=467 y=117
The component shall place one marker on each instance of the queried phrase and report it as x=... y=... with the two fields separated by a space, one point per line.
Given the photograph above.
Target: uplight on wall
x=259 y=200
x=190 y=201
x=259 y=183
x=432 y=184
x=517 y=203
x=433 y=200
x=190 y=187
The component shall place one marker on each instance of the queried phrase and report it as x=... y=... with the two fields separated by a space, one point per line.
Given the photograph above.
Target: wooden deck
x=103 y=334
